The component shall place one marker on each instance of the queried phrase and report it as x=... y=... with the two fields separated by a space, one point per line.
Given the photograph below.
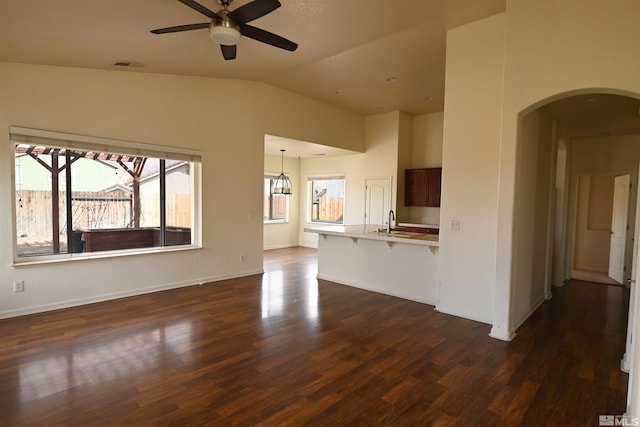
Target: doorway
x=600 y=236
x=377 y=200
x=592 y=134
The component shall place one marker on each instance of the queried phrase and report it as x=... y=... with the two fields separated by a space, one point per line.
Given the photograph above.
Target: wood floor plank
x=283 y=348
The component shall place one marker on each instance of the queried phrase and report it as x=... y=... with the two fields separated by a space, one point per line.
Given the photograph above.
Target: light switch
x=454 y=225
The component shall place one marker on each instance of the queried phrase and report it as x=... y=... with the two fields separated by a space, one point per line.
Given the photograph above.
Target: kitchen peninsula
x=400 y=263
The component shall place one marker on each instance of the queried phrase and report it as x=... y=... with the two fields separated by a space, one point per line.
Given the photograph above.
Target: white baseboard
x=117 y=295
x=533 y=308
x=376 y=290
x=625 y=364
x=282 y=246
x=461 y=314
x=502 y=335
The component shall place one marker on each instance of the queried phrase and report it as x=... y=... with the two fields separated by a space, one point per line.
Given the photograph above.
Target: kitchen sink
x=397 y=233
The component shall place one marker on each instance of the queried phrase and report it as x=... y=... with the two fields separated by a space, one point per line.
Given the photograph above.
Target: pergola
x=34 y=151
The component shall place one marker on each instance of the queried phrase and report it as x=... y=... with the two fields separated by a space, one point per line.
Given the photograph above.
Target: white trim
x=281 y=246
x=46 y=137
x=125 y=294
x=18 y=171
x=327 y=176
x=462 y=314
x=533 y=308
x=402 y=295
x=64 y=140
x=275 y=221
x=509 y=336
x=83 y=256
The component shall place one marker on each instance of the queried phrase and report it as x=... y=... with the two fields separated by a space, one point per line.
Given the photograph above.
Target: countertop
x=370 y=233
x=421 y=225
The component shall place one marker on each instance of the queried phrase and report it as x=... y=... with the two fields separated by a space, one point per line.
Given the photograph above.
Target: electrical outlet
x=241 y=258
x=18 y=286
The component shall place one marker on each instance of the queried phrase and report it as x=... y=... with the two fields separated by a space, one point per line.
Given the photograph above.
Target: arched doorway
x=559 y=139
x=579 y=134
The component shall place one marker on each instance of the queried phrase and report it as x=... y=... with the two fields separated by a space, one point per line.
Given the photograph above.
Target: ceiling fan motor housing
x=225 y=31
x=225 y=27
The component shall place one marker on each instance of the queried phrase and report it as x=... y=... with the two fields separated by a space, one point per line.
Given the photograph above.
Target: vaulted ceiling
x=367 y=56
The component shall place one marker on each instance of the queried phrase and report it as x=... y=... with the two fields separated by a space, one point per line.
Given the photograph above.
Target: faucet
x=392 y=216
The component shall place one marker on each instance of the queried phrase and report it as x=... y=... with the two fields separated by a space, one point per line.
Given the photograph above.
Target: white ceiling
x=300 y=149
x=351 y=46
x=596 y=114
x=348 y=49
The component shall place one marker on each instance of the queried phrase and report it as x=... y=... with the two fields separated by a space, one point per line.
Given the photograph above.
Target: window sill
x=277 y=221
x=78 y=257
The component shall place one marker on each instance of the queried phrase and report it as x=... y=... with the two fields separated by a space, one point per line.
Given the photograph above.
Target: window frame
x=331 y=177
x=19 y=135
x=272 y=177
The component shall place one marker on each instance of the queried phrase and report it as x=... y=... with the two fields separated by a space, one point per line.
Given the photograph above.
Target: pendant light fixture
x=282 y=184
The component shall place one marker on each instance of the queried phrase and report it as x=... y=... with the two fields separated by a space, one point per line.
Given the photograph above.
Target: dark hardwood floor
x=281 y=349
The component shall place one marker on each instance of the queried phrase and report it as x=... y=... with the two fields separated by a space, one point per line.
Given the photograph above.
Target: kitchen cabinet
x=422 y=187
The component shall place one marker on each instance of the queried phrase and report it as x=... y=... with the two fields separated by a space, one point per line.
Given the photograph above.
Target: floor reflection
x=121 y=357
x=312 y=299
x=272 y=293
x=296 y=293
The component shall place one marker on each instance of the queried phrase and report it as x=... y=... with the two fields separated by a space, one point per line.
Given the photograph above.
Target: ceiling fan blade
x=267 y=37
x=253 y=10
x=179 y=28
x=200 y=8
x=229 y=52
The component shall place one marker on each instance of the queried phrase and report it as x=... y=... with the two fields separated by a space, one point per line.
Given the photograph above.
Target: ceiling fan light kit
x=226 y=27
x=227 y=36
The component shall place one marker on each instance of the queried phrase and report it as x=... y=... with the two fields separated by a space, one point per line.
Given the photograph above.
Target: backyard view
x=327 y=200
x=116 y=201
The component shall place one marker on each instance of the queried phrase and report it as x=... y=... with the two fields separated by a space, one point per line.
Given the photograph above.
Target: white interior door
x=619 y=227
x=377 y=200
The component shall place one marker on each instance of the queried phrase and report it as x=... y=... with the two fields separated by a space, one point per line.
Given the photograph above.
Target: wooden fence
x=96 y=210
x=178 y=210
x=328 y=209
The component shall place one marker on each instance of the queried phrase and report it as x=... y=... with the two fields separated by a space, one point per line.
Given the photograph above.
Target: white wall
x=284 y=235
x=426 y=149
x=532 y=214
x=378 y=160
x=614 y=155
x=163 y=110
x=554 y=49
x=561 y=211
x=405 y=159
x=425 y=152
x=470 y=159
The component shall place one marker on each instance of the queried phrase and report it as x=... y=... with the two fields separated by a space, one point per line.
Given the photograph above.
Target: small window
x=276 y=206
x=326 y=200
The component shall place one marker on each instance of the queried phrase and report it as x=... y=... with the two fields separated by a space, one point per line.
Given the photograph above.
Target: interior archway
x=601 y=134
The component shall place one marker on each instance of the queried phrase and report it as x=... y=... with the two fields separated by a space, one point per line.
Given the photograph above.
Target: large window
x=326 y=199
x=75 y=196
x=276 y=206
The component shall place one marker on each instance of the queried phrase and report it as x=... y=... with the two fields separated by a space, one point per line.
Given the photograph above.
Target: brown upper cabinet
x=422 y=187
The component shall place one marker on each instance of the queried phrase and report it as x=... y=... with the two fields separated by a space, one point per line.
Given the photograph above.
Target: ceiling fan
x=226 y=26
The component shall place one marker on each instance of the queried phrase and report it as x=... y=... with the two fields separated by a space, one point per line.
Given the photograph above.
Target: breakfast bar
x=399 y=263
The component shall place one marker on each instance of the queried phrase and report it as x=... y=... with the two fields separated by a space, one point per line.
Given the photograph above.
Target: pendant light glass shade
x=282 y=184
